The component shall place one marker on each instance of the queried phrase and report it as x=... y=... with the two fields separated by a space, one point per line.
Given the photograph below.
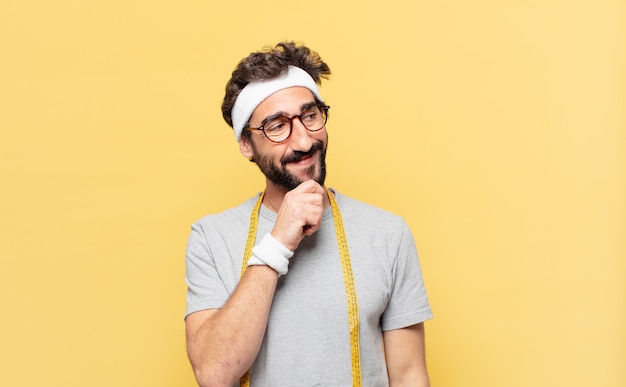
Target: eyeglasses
x=278 y=128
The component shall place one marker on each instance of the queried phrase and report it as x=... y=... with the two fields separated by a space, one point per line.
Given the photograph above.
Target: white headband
x=255 y=92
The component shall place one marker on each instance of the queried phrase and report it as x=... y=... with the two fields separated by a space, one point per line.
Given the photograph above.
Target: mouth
x=303 y=159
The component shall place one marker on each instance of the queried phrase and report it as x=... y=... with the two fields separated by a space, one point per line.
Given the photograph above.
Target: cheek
x=270 y=155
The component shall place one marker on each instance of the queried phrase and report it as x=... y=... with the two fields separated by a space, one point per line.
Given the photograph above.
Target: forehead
x=288 y=101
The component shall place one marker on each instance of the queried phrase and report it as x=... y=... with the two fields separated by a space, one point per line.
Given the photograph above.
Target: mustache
x=299 y=155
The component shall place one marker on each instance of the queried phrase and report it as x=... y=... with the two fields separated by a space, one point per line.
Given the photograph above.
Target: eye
x=275 y=125
x=309 y=116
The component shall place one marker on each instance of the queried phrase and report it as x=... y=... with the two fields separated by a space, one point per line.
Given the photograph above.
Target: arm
x=405 y=356
x=223 y=343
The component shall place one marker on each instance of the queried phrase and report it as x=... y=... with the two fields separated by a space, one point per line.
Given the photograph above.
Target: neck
x=274 y=196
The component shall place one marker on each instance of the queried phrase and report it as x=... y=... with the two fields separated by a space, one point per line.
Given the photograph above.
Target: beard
x=283 y=178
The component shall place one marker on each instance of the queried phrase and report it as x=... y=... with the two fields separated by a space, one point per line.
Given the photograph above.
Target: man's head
x=268 y=64
x=270 y=91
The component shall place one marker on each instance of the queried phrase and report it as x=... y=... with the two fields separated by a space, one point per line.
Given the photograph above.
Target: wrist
x=272 y=253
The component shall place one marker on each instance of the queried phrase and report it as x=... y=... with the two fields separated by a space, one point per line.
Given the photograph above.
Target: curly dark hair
x=269 y=63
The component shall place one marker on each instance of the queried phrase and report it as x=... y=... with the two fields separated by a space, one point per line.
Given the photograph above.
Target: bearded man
x=300 y=285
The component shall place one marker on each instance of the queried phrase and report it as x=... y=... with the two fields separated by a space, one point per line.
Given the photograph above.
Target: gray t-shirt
x=307 y=339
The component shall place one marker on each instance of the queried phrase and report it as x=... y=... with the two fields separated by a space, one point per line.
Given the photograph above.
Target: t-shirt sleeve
x=408 y=303
x=205 y=289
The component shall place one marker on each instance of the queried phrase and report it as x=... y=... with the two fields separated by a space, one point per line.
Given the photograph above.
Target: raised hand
x=300 y=214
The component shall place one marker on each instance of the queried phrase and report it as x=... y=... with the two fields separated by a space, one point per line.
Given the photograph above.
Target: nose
x=300 y=136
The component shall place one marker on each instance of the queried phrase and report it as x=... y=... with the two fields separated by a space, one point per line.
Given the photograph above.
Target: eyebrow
x=303 y=107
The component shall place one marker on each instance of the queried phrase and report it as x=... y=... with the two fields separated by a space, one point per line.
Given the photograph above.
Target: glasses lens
x=313 y=118
x=277 y=129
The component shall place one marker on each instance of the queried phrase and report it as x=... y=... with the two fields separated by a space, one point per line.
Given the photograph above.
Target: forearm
x=407 y=380
x=405 y=357
x=224 y=346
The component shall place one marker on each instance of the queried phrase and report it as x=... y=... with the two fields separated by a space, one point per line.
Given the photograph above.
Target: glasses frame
x=323 y=109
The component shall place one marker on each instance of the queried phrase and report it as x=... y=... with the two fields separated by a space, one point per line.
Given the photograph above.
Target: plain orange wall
x=496 y=128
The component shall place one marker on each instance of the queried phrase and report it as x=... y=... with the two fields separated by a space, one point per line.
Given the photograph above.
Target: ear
x=245 y=148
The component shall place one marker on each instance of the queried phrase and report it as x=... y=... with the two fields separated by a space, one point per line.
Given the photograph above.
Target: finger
x=309 y=230
x=314 y=216
x=315 y=199
x=310 y=186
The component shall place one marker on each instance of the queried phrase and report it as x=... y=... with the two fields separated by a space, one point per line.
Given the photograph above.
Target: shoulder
x=354 y=209
x=369 y=224
x=230 y=218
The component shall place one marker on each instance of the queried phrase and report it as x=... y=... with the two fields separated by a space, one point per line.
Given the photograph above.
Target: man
x=300 y=285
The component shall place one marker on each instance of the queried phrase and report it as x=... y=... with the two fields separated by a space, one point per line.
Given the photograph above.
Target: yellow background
x=496 y=128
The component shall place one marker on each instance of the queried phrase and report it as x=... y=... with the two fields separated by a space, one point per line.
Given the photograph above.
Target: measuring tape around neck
x=348 y=279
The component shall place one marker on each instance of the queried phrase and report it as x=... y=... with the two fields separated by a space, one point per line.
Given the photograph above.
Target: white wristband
x=272 y=253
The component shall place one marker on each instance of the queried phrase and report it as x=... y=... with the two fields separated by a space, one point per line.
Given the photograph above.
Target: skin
x=223 y=343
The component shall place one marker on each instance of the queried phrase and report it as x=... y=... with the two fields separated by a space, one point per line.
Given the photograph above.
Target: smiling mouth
x=300 y=157
x=303 y=160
